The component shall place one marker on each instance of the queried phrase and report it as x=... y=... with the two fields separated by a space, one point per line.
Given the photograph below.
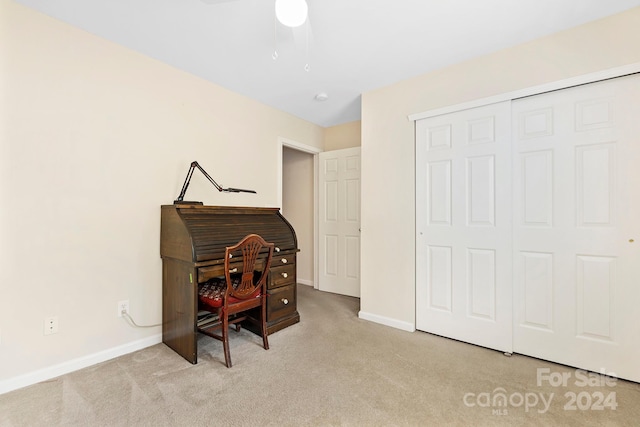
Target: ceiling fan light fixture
x=291 y=13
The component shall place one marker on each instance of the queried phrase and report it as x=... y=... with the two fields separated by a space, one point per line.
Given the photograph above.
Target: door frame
x=298 y=146
x=611 y=73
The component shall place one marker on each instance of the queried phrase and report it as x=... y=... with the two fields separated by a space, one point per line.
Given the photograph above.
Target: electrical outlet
x=123 y=306
x=51 y=325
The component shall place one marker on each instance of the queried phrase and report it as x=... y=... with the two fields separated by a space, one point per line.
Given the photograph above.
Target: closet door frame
x=533 y=90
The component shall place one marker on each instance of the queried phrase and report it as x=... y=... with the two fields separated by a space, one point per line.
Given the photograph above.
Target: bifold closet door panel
x=576 y=226
x=463 y=225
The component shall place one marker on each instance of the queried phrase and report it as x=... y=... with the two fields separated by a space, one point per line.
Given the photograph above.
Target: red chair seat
x=211 y=293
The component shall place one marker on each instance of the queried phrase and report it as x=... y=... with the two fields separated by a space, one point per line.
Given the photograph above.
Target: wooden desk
x=193 y=239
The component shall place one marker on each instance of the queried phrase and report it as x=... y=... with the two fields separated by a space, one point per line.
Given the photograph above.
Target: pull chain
x=275 y=37
x=306 y=66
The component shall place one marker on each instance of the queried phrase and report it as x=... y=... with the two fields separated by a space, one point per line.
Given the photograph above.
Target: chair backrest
x=243 y=282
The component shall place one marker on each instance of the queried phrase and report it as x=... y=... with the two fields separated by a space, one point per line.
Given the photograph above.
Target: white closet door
x=577 y=226
x=463 y=224
x=339 y=223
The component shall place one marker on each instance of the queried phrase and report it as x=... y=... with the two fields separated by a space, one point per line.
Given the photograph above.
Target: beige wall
x=388 y=219
x=95 y=137
x=346 y=135
x=298 y=206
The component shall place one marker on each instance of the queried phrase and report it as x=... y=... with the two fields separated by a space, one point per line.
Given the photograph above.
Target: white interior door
x=339 y=221
x=576 y=226
x=463 y=224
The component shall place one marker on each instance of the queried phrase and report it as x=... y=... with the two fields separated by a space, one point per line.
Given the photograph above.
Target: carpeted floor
x=332 y=369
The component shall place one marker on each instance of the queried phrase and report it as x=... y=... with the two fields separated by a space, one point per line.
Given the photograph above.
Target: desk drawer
x=282 y=276
x=281 y=302
x=285 y=259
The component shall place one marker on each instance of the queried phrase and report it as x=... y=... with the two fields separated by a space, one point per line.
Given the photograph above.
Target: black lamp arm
x=215 y=184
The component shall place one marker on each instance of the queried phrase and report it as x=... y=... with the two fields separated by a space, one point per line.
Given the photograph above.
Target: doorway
x=298 y=203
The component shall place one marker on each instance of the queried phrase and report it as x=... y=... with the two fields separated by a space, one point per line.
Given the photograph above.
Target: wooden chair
x=240 y=295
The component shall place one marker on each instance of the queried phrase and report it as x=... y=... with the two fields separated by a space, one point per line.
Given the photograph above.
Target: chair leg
x=225 y=340
x=263 y=324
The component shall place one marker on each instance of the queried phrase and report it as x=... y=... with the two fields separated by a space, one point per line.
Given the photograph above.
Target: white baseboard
x=394 y=323
x=305 y=282
x=76 y=364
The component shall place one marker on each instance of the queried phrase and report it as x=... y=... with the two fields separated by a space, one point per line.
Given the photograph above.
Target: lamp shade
x=291 y=13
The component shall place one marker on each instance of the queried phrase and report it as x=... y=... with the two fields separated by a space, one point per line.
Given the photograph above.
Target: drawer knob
x=230 y=255
x=285 y=301
x=285 y=275
x=233 y=270
x=284 y=260
x=277 y=249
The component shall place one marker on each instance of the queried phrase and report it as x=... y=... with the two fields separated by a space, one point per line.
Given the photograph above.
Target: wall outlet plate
x=123 y=306
x=51 y=325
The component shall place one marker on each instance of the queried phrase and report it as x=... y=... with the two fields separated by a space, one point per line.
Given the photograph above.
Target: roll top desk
x=193 y=238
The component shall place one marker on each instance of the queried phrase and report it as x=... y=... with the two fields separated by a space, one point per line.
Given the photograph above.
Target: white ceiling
x=354 y=46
